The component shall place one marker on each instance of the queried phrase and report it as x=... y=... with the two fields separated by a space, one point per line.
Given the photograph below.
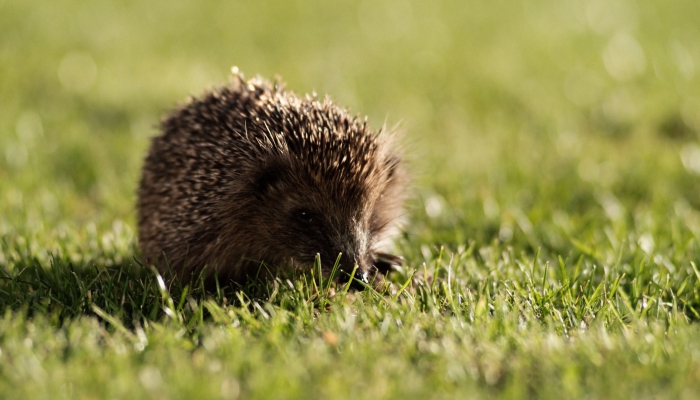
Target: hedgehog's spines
x=204 y=185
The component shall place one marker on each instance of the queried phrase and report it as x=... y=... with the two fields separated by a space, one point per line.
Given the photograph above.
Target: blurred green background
x=554 y=145
x=530 y=122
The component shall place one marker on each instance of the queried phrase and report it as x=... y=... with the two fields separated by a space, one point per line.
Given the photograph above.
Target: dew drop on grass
x=29 y=128
x=214 y=366
x=690 y=156
x=433 y=206
x=683 y=59
x=604 y=16
x=230 y=388
x=77 y=72
x=150 y=378
x=491 y=208
x=505 y=233
x=16 y=154
x=646 y=242
x=624 y=57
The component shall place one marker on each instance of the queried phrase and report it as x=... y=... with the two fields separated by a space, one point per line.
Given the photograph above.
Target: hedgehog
x=250 y=177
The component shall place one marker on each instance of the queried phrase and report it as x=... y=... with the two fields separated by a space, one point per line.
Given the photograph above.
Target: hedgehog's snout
x=354 y=256
x=359 y=280
x=354 y=273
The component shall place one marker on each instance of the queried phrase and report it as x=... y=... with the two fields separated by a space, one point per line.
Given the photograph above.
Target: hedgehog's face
x=304 y=213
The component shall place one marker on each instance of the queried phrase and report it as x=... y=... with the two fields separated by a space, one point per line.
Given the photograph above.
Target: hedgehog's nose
x=359 y=279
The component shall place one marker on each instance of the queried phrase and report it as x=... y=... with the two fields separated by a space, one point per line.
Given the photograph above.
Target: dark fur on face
x=251 y=174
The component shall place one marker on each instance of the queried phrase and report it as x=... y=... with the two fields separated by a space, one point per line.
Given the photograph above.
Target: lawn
x=552 y=244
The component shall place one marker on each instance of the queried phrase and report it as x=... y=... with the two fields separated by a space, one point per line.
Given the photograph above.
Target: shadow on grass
x=134 y=294
x=64 y=291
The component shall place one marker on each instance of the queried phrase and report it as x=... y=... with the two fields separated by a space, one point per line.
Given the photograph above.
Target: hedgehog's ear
x=265 y=181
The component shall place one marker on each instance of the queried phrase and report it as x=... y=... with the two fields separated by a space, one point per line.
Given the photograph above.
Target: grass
x=552 y=245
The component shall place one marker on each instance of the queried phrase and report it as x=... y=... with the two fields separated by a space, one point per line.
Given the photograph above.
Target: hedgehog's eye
x=304 y=216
